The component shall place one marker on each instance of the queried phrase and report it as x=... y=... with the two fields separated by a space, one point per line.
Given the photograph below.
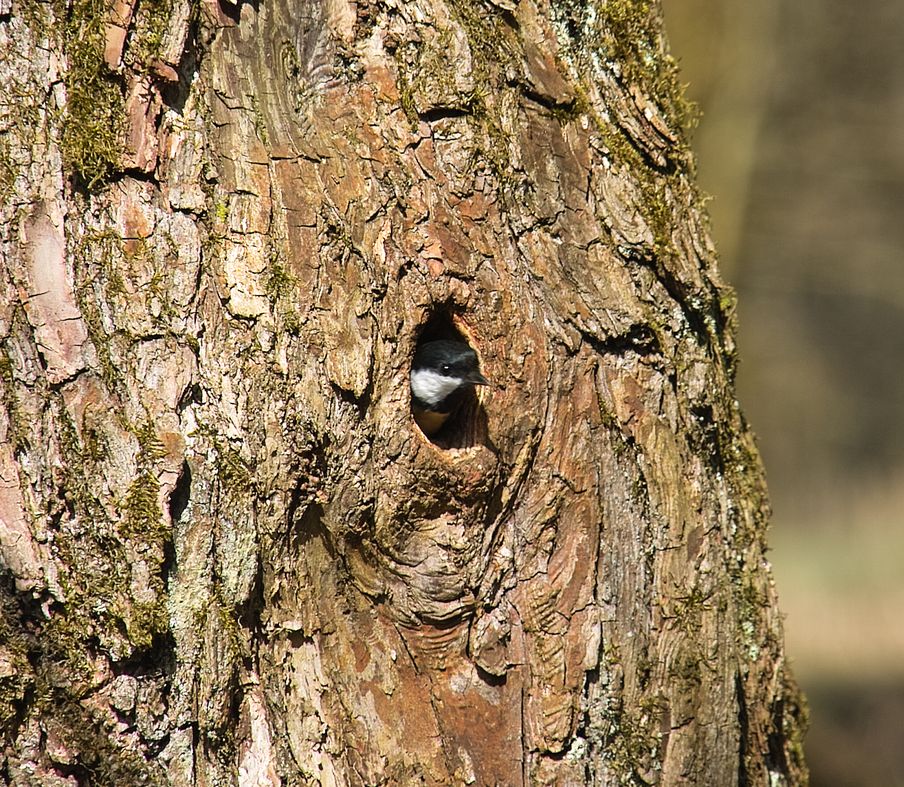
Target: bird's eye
x=446 y=368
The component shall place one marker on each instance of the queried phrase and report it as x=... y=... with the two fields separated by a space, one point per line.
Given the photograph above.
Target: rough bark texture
x=229 y=556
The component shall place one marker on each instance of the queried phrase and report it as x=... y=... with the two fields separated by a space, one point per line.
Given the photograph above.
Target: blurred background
x=801 y=145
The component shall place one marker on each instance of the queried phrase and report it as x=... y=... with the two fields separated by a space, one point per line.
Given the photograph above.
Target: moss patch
x=632 y=37
x=148 y=29
x=626 y=36
x=281 y=289
x=94 y=121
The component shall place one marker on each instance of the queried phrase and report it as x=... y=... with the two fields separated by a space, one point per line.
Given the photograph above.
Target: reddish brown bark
x=232 y=555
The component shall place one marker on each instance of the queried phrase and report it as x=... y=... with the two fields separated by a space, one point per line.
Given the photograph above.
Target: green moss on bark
x=94 y=120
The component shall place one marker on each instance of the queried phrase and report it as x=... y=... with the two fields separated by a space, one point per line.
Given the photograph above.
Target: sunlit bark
x=230 y=556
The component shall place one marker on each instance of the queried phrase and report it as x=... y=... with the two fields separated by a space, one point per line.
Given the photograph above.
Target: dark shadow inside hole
x=465 y=423
x=440 y=326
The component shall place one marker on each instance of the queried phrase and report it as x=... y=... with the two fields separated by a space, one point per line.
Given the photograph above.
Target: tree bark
x=229 y=555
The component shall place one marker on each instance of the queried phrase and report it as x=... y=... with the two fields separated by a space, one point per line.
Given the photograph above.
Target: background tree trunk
x=229 y=555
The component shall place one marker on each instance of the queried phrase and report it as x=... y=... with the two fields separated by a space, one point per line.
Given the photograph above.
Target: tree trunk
x=229 y=555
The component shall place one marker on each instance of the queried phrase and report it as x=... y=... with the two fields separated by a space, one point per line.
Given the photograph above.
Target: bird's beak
x=477 y=379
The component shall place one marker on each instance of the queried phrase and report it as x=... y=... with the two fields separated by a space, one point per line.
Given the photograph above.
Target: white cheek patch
x=431 y=387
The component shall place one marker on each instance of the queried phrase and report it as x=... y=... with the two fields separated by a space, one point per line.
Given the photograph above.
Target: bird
x=443 y=373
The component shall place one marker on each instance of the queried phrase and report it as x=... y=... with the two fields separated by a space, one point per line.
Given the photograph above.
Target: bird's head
x=440 y=369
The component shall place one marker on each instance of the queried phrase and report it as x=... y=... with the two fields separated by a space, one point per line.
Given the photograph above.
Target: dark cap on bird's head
x=450 y=359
